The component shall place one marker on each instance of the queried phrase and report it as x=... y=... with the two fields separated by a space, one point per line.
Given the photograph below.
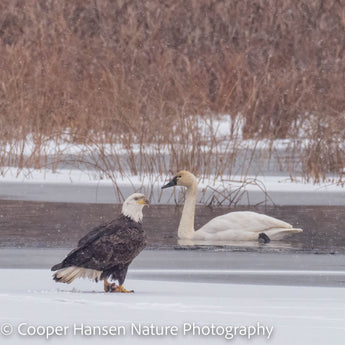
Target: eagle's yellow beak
x=143 y=201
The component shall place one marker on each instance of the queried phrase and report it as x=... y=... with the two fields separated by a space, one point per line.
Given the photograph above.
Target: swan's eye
x=179 y=176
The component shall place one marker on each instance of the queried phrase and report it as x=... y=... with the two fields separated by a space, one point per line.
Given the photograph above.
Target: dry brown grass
x=135 y=71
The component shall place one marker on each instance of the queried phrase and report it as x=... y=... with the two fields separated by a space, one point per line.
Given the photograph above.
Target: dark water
x=60 y=225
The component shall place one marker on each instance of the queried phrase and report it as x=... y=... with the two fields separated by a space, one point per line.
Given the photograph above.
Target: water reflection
x=285 y=244
x=38 y=224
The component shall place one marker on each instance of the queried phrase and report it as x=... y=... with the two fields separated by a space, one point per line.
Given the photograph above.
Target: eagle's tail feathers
x=57 y=266
x=68 y=274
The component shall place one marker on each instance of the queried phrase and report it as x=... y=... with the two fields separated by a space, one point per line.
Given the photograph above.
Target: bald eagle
x=107 y=251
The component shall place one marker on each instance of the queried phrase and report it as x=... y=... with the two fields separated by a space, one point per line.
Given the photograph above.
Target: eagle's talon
x=120 y=288
x=113 y=287
x=109 y=287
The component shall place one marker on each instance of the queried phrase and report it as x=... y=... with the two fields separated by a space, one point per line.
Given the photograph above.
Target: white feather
x=67 y=275
x=132 y=209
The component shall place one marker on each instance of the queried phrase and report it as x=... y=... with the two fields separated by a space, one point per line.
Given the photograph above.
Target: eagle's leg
x=120 y=288
x=109 y=287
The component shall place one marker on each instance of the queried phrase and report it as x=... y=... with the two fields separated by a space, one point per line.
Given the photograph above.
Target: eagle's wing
x=104 y=249
x=93 y=233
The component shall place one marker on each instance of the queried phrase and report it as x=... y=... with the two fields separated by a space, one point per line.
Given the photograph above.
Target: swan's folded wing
x=244 y=222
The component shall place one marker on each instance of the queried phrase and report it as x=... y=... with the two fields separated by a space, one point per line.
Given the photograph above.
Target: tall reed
x=144 y=74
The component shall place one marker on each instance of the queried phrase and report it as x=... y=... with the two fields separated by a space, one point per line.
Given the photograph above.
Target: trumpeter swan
x=233 y=226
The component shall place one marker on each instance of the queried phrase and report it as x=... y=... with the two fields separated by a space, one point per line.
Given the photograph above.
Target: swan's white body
x=244 y=226
x=234 y=226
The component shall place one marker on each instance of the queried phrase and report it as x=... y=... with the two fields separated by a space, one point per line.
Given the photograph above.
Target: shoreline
x=103 y=192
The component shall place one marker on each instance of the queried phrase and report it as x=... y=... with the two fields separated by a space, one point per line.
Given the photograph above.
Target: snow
x=298 y=315
x=218 y=133
x=72 y=185
x=76 y=176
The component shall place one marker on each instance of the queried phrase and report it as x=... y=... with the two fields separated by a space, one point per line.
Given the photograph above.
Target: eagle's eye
x=136 y=198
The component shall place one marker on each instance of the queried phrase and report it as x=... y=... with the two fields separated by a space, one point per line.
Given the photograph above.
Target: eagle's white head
x=133 y=206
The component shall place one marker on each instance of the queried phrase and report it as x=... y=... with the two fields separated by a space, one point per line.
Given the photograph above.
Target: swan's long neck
x=186 y=227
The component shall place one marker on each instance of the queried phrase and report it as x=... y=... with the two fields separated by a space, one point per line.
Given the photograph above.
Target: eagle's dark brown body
x=109 y=249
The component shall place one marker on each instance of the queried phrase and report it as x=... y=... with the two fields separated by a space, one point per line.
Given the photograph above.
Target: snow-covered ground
x=31 y=302
x=220 y=128
x=85 y=186
x=221 y=135
x=215 y=132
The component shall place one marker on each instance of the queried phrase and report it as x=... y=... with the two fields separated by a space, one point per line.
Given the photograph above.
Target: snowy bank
x=86 y=186
x=298 y=315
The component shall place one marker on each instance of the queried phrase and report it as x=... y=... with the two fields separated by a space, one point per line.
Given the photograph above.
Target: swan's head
x=133 y=206
x=182 y=178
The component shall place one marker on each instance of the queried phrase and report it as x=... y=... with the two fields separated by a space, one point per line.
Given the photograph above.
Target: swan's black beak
x=172 y=183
